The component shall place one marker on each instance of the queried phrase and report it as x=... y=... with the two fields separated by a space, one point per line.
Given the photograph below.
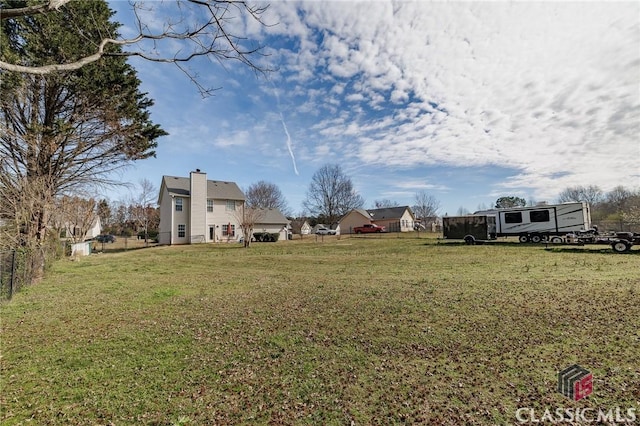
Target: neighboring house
x=305 y=228
x=197 y=210
x=72 y=231
x=301 y=227
x=273 y=221
x=95 y=230
x=356 y=217
x=394 y=219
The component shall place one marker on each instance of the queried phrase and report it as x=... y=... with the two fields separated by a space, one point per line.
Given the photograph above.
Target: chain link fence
x=13 y=273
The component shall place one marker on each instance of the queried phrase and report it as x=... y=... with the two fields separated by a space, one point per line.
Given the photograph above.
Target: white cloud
x=417 y=185
x=539 y=87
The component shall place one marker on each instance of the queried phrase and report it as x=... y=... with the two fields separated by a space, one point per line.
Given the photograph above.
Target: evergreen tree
x=61 y=132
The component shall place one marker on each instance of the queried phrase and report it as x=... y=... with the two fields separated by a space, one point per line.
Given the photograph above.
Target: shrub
x=266 y=237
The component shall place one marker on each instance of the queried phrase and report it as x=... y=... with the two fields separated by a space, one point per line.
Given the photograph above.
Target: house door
x=212 y=230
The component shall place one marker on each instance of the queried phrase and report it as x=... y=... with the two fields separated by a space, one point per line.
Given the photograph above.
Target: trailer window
x=539 y=216
x=515 y=217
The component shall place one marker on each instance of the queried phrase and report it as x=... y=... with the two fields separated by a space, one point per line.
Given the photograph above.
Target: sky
x=468 y=101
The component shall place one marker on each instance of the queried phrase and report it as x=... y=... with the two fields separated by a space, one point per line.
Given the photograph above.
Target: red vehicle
x=367 y=228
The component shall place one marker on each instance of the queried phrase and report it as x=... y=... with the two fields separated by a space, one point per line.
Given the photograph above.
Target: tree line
x=617 y=209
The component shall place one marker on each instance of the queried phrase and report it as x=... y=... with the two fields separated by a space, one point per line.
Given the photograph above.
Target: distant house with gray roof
x=273 y=222
x=394 y=219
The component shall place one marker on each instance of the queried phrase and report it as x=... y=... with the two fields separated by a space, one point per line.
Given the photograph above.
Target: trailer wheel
x=536 y=238
x=620 y=246
x=523 y=238
x=470 y=239
x=556 y=240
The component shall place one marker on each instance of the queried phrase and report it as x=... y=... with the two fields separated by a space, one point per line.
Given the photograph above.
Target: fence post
x=13 y=275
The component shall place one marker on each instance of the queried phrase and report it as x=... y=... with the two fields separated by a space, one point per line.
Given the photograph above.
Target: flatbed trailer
x=620 y=242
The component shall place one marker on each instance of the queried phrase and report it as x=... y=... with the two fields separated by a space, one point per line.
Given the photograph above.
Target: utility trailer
x=620 y=242
x=546 y=222
x=470 y=228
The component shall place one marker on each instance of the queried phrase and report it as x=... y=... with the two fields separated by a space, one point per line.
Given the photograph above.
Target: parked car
x=368 y=228
x=325 y=231
x=106 y=238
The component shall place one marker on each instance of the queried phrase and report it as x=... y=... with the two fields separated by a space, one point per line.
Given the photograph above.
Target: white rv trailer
x=544 y=222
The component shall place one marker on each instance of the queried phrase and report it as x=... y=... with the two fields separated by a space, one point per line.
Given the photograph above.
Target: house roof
x=362 y=212
x=217 y=189
x=273 y=217
x=389 y=213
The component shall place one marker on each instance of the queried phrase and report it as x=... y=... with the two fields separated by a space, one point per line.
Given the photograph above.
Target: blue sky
x=467 y=101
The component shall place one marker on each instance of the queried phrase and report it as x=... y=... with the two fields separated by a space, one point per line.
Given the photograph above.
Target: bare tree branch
x=211 y=37
x=49 y=6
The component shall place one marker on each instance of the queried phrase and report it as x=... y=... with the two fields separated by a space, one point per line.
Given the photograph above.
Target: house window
x=228 y=230
x=182 y=231
x=515 y=217
x=539 y=216
x=178 y=204
x=231 y=205
x=210 y=205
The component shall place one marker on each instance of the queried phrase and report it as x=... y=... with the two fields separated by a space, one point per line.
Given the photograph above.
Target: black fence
x=13 y=273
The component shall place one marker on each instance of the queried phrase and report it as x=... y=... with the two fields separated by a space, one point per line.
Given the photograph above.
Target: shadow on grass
x=485 y=242
x=556 y=248
x=110 y=250
x=590 y=250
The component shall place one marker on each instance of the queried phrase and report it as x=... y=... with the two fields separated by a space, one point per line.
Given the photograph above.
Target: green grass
x=363 y=330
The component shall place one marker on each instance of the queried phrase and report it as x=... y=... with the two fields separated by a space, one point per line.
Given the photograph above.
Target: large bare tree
x=592 y=194
x=331 y=194
x=426 y=206
x=266 y=195
x=142 y=206
x=192 y=29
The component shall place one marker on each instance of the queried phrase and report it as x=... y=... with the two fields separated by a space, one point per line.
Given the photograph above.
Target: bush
x=151 y=235
x=266 y=237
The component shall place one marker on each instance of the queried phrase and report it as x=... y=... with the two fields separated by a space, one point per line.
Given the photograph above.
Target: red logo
x=583 y=387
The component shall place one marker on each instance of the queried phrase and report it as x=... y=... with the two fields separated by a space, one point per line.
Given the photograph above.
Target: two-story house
x=197 y=210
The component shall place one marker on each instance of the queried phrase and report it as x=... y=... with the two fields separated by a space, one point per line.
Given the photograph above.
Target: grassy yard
x=351 y=331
